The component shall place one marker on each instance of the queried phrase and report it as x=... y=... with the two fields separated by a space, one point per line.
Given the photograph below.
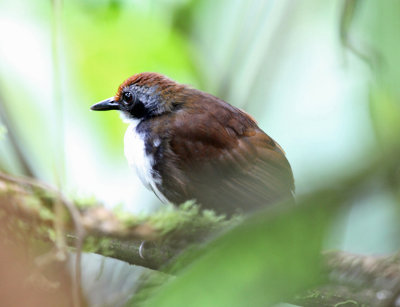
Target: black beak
x=105 y=105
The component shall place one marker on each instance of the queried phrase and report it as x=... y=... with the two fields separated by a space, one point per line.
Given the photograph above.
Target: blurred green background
x=320 y=77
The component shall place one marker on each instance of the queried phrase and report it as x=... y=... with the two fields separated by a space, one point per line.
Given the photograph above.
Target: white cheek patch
x=126 y=119
x=135 y=153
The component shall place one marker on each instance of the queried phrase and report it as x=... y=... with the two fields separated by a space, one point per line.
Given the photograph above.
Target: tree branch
x=147 y=241
x=154 y=240
x=357 y=280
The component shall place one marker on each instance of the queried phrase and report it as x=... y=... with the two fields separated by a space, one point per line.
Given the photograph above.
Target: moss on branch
x=27 y=209
x=115 y=233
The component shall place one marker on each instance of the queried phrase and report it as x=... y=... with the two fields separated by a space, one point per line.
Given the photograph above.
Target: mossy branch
x=152 y=241
x=149 y=241
x=357 y=280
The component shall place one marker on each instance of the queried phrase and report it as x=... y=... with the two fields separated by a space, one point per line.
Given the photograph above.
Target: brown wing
x=217 y=155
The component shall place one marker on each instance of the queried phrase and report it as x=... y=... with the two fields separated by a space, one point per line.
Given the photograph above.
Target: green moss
x=188 y=217
x=95 y=245
x=46 y=214
x=90 y=244
x=128 y=219
x=83 y=203
x=51 y=234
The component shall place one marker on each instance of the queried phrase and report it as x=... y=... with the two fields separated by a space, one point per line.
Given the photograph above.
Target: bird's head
x=143 y=96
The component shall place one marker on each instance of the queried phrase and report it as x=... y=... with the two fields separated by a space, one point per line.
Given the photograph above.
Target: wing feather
x=219 y=156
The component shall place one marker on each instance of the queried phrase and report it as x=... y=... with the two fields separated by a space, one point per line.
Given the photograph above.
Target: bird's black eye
x=128 y=97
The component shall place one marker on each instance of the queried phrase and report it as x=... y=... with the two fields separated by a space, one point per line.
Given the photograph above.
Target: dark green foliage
x=264 y=260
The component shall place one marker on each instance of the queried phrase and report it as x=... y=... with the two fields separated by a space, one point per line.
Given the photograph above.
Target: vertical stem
x=59 y=152
x=59 y=148
x=57 y=124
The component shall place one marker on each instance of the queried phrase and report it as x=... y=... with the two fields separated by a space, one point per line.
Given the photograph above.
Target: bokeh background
x=320 y=77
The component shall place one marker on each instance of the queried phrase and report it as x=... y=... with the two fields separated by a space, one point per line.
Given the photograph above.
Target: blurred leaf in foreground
x=267 y=259
x=385 y=115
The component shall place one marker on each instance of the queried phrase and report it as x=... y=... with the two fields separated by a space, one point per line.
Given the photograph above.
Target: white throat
x=135 y=153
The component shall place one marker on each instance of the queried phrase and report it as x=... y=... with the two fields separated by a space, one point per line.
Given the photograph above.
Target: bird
x=186 y=144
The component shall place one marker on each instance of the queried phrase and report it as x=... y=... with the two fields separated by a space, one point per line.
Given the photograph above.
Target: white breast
x=135 y=153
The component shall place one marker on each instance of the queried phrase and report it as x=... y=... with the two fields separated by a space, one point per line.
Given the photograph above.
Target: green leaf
x=385 y=115
x=268 y=258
